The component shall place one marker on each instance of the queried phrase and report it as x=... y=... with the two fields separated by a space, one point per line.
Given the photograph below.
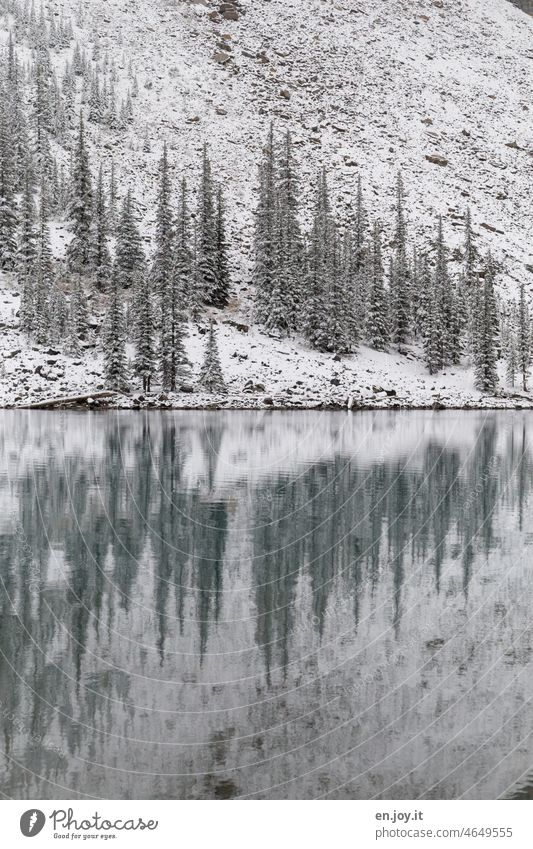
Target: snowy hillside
x=368 y=87
x=439 y=89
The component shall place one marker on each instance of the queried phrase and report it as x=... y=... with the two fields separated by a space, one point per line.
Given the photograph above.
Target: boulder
x=222 y=57
x=435 y=159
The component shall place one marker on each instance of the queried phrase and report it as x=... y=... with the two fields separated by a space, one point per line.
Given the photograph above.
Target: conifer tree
x=79 y=312
x=433 y=326
x=444 y=297
x=486 y=378
x=289 y=247
x=79 y=248
x=320 y=269
x=183 y=273
x=144 y=362
x=114 y=348
x=58 y=315
x=129 y=255
x=399 y=286
x=163 y=260
x=211 y=376
x=8 y=177
x=377 y=317
x=100 y=255
x=220 y=294
x=27 y=248
x=206 y=245
x=523 y=338
x=266 y=231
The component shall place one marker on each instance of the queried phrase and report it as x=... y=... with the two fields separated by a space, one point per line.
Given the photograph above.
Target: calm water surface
x=223 y=605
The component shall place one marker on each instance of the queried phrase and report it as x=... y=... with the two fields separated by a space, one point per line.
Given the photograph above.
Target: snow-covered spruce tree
x=174 y=365
x=511 y=365
x=100 y=255
x=79 y=248
x=27 y=247
x=43 y=281
x=211 y=377
x=320 y=264
x=360 y=229
x=289 y=247
x=8 y=186
x=206 y=244
x=71 y=346
x=400 y=283
x=79 y=311
x=486 y=377
x=144 y=362
x=443 y=294
x=221 y=291
x=377 y=316
x=172 y=358
x=112 y=206
x=163 y=259
x=183 y=276
x=350 y=291
x=339 y=313
x=433 y=326
x=523 y=338
x=266 y=234
x=471 y=283
x=129 y=255
x=58 y=315
x=114 y=340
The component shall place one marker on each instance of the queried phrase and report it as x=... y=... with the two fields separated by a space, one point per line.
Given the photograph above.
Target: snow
x=372 y=89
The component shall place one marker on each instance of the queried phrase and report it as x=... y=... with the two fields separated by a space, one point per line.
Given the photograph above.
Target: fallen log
x=71 y=399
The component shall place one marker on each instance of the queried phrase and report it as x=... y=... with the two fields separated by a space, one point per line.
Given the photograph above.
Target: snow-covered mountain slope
x=366 y=87
x=440 y=89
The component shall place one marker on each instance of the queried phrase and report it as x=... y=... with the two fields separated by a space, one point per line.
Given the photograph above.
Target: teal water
x=279 y=605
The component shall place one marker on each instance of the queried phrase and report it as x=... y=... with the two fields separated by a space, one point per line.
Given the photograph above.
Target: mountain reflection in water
x=281 y=605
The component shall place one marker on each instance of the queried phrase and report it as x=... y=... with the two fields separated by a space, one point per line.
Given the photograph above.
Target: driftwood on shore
x=66 y=401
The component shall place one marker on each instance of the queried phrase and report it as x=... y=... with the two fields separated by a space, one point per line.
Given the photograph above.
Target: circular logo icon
x=32 y=822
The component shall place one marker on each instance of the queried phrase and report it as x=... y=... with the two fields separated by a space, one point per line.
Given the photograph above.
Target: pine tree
x=211 y=377
x=27 y=248
x=79 y=248
x=486 y=378
x=78 y=309
x=58 y=315
x=144 y=363
x=129 y=255
x=511 y=358
x=163 y=259
x=523 y=338
x=433 y=324
x=320 y=269
x=8 y=176
x=471 y=283
x=206 y=246
x=220 y=294
x=444 y=297
x=266 y=234
x=399 y=287
x=114 y=335
x=100 y=255
x=183 y=277
x=377 y=320
x=289 y=247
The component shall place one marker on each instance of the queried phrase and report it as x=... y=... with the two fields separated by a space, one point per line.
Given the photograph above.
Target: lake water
x=278 y=605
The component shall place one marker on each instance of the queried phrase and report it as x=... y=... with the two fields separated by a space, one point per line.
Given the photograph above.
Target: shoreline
x=238 y=403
